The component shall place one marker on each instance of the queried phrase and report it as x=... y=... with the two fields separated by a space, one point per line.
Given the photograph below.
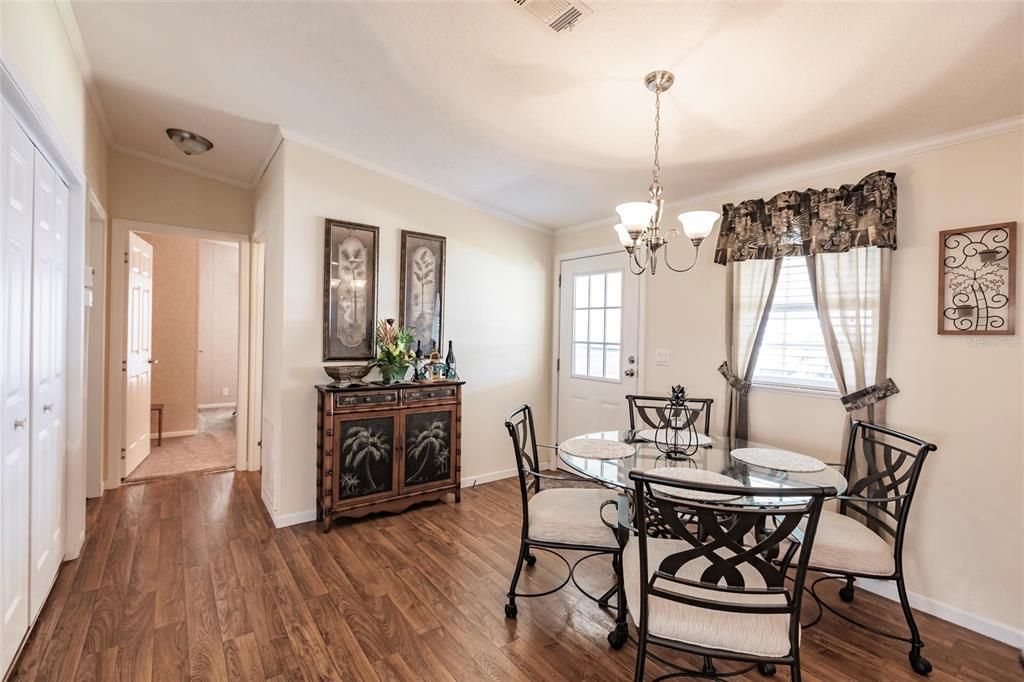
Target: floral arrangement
x=394 y=351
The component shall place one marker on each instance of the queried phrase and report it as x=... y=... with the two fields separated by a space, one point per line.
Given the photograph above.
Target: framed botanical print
x=350 y=290
x=977 y=279
x=421 y=289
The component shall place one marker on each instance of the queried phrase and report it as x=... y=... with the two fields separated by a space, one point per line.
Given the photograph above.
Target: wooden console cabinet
x=384 y=448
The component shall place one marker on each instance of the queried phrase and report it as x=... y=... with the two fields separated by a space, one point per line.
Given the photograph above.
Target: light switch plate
x=661 y=357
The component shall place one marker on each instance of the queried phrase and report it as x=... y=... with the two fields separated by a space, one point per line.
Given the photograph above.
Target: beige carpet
x=212 y=449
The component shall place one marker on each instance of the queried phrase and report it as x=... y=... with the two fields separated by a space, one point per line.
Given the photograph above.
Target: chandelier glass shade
x=640 y=231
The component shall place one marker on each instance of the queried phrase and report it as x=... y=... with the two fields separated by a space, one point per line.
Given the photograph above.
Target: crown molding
x=181 y=166
x=67 y=17
x=298 y=138
x=759 y=183
x=272 y=148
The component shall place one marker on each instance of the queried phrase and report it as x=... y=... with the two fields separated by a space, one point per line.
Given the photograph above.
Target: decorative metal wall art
x=350 y=290
x=421 y=289
x=977 y=279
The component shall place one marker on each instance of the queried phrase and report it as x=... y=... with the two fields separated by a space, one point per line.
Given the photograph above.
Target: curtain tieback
x=866 y=397
x=739 y=385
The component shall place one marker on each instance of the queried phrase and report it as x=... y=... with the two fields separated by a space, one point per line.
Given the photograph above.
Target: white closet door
x=49 y=313
x=15 y=383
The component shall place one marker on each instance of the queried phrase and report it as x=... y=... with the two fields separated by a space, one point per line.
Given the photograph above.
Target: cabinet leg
x=458 y=494
x=326 y=524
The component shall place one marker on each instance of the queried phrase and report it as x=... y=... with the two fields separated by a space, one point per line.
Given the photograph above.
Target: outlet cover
x=661 y=358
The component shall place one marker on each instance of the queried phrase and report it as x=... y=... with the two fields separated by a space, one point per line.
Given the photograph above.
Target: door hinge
x=122 y=453
x=125 y=257
x=558 y=364
x=559 y=281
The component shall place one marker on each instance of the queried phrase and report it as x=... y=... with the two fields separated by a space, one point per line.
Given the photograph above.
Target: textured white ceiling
x=482 y=101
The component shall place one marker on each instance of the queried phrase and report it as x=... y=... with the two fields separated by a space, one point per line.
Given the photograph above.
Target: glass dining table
x=611 y=465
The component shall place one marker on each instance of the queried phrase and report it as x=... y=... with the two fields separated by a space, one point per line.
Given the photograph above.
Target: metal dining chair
x=648 y=411
x=581 y=519
x=697 y=581
x=851 y=543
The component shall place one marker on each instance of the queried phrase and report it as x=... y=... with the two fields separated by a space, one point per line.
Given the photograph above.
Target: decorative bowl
x=348 y=374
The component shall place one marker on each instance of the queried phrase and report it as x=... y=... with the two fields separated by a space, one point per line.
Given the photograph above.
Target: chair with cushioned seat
x=698 y=582
x=852 y=543
x=554 y=519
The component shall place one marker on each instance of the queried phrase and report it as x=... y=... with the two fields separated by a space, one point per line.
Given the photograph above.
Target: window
x=793 y=349
x=597 y=325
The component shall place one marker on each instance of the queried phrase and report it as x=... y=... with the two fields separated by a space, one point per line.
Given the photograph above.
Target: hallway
x=212 y=449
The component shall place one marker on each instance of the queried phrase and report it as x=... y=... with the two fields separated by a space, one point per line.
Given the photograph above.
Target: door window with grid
x=597 y=325
x=793 y=349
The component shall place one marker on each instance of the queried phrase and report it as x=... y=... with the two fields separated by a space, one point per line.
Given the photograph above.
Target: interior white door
x=139 y=362
x=598 y=344
x=15 y=383
x=49 y=315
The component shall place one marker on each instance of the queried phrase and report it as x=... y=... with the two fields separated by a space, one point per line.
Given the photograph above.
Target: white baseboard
x=983 y=626
x=282 y=520
x=214 y=406
x=470 y=481
x=175 y=434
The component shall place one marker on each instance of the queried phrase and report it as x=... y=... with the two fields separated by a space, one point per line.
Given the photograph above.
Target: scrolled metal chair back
x=524 y=443
x=883 y=467
x=734 y=550
x=649 y=411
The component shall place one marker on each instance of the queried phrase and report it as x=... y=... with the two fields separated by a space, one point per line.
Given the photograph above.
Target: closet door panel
x=16 y=181
x=49 y=282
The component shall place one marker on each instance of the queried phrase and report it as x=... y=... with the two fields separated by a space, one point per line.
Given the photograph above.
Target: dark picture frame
x=422 y=276
x=978 y=279
x=351 y=254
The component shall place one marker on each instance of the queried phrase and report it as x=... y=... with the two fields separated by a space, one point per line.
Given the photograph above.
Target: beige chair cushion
x=755 y=634
x=845 y=544
x=573 y=516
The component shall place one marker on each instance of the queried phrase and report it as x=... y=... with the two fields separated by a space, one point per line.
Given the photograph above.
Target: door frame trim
x=30 y=112
x=556 y=328
x=116 y=336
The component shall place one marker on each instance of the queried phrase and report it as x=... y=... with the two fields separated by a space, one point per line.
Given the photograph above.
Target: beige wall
x=217 y=371
x=155 y=193
x=498 y=288
x=175 y=328
x=964 y=546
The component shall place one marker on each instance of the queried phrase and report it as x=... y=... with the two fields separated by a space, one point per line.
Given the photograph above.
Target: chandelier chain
x=657 y=136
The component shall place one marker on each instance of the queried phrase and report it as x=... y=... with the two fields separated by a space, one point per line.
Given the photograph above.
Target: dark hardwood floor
x=187 y=579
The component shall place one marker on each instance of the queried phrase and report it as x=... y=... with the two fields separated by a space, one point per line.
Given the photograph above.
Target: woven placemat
x=693 y=476
x=779 y=460
x=596 y=448
x=681 y=438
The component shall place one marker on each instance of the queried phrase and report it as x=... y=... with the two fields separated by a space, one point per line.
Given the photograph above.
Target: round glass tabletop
x=715 y=457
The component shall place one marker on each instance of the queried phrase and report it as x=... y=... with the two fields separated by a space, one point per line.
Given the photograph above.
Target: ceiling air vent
x=557 y=14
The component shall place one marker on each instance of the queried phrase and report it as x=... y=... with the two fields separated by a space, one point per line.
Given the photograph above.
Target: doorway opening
x=180 y=327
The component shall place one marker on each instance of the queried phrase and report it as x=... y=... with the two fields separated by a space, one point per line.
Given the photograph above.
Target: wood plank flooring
x=187 y=579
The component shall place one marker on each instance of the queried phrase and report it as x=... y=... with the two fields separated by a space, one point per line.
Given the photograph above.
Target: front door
x=598 y=344
x=138 y=365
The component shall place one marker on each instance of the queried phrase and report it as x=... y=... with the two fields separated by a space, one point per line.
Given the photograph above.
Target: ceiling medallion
x=640 y=230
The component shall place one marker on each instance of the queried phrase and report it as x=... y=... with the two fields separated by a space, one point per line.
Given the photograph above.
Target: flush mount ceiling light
x=189 y=142
x=640 y=229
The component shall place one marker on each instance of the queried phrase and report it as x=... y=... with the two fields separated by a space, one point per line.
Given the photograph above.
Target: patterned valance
x=813 y=221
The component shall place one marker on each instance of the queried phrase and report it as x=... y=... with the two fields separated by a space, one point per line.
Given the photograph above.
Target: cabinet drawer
x=428 y=393
x=368 y=398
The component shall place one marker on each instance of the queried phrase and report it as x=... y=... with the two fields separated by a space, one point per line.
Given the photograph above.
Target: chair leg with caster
x=918 y=663
x=846 y=593
x=510 y=607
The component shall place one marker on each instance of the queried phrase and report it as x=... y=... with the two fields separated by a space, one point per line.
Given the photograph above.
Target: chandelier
x=640 y=230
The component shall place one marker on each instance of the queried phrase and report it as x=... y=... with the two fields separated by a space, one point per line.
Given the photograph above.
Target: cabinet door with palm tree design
x=366 y=455
x=429 y=436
